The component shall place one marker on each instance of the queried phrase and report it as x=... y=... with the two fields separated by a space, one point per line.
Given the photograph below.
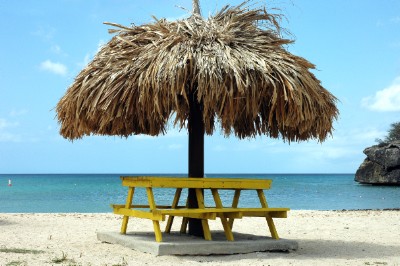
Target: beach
x=363 y=237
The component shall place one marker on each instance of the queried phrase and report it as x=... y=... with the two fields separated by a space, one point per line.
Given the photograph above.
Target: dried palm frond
x=235 y=61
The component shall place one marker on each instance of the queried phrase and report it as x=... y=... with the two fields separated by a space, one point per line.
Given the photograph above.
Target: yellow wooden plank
x=140 y=214
x=231 y=215
x=174 y=205
x=144 y=206
x=208 y=213
x=220 y=210
x=153 y=208
x=248 y=209
x=224 y=221
x=191 y=213
x=204 y=222
x=128 y=203
x=273 y=214
x=179 y=212
x=174 y=182
x=235 y=203
x=278 y=214
x=270 y=222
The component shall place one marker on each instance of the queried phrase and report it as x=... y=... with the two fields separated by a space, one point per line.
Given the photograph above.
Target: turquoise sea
x=92 y=193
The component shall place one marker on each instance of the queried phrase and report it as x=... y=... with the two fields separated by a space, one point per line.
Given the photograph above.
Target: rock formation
x=382 y=165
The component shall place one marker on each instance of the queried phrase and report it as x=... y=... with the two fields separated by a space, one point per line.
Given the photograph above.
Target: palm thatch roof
x=246 y=81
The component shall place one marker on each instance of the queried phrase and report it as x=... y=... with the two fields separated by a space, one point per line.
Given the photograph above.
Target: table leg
x=224 y=221
x=152 y=204
x=204 y=222
x=128 y=204
x=235 y=203
x=270 y=222
x=175 y=203
x=185 y=220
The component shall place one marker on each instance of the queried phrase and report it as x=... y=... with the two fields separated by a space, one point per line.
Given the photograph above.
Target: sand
x=368 y=237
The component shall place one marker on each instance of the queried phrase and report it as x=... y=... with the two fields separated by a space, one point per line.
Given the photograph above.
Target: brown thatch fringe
x=245 y=80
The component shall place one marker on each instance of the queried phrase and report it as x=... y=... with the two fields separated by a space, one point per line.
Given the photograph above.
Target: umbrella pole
x=196 y=146
x=196 y=156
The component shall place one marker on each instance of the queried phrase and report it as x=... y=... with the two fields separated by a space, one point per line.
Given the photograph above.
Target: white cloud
x=395 y=20
x=89 y=56
x=388 y=21
x=367 y=135
x=379 y=23
x=100 y=45
x=8 y=137
x=46 y=33
x=5 y=124
x=56 y=68
x=20 y=112
x=395 y=44
x=385 y=100
x=56 y=49
x=85 y=61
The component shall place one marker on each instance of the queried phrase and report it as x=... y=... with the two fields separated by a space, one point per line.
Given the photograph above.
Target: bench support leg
x=128 y=206
x=224 y=221
x=185 y=220
x=204 y=222
x=270 y=222
x=157 y=231
x=174 y=205
x=235 y=203
x=152 y=205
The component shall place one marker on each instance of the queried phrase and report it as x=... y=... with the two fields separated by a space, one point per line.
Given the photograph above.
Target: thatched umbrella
x=230 y=70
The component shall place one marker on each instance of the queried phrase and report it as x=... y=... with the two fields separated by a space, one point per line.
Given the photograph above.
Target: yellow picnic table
x=158 y=213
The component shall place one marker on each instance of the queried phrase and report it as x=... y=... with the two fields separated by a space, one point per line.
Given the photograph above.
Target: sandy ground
x=324 y=237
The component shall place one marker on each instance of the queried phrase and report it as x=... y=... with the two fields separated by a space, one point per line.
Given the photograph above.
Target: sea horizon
x=164 y=174
x=90 y=193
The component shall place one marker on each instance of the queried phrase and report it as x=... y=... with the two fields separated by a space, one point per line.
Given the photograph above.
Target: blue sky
x=44 y=44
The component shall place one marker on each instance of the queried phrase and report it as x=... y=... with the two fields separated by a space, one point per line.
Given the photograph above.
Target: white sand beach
x=368 y=237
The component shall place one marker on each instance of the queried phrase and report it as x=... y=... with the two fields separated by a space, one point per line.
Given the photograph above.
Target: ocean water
x=93 y=193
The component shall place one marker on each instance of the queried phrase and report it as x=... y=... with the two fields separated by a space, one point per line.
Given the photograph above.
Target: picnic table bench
x=158 y=213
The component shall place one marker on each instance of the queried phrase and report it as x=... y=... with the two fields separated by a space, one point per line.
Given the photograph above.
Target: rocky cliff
x=382 y=165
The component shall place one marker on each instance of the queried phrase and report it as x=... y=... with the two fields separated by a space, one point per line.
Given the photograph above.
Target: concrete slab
x=177 y=244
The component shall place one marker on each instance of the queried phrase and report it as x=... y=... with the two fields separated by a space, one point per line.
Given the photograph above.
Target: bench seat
x=206 y=213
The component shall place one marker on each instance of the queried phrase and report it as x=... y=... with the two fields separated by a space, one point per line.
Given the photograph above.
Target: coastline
x=346 y=237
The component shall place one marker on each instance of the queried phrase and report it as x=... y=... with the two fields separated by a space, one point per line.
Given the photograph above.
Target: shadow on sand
x=314 y=249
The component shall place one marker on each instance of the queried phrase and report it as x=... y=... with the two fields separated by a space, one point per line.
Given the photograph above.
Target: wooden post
x=196 y=145
x=196 y=155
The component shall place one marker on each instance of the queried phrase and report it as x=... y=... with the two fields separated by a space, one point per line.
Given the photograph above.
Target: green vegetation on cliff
x=393 y=133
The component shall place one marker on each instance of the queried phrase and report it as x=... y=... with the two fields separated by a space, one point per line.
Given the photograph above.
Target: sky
x=355 y=46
